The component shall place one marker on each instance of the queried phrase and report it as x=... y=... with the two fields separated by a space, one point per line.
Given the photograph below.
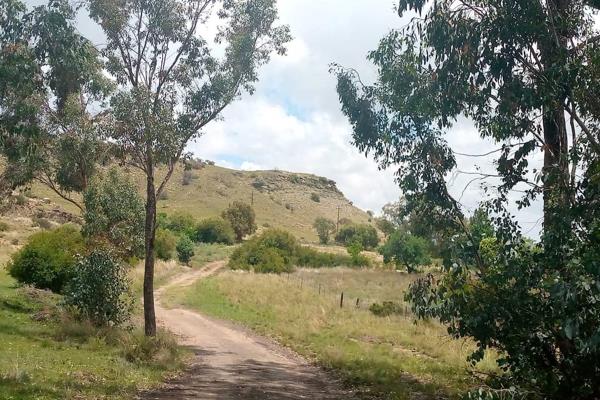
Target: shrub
x=164 y=244
x=406 y=250
x=366 y=235
x=386 y=308
x=324 y=227
x=214 y=230
x=42 y=223
x=241 y=218
x=4 y=226
x=278 y=251
x=47 y=260
x=315 y=197
x=164 y=195
x=161 y=350
x=99 y=290
x=114 y=214
x=21 y=199
x=182 y=223
x=188 y=177
x=185 y=249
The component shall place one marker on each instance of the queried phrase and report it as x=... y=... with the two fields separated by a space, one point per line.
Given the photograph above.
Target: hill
x=285 y=200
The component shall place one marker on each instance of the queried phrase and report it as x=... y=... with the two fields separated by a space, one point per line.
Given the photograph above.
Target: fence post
x=357 y=303
x=342 y=300
x=319 y=288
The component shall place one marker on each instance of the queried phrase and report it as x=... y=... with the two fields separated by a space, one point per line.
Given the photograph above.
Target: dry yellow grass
x=213 y=188
x=393 y=356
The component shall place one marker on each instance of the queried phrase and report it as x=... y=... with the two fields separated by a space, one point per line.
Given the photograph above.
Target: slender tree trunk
x=149 y=233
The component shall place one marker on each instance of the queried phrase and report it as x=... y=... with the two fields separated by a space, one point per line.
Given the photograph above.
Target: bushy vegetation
x=185 y=249
x=242 y=219
x=181 y=223
x=114 y=214
x=386 y=308
x=99 y=289
x=4 y=226
x=324 y=227
x=315 y=197
x=278 y=251
x=214 y=230
x=406 y=250
x=47 y=260
x=165 y=244
x=364 y=234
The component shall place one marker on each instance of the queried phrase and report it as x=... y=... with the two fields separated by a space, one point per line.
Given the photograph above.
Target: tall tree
x=527 y=74
x=50 y=76
x=172 y=83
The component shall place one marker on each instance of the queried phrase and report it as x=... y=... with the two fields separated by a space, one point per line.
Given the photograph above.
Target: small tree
x=171 y=85
x=364 y=234
x=114 y=213
x=99 y=290
x=324 y=227
x=166 y=243
x=242 y=219
x=214 y=230
x=406 y=250
x=185 y=249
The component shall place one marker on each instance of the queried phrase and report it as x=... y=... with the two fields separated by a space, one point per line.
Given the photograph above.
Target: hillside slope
x=280 y=199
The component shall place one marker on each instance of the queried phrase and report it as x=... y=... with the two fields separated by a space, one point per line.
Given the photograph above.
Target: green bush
x=99 y=290
x=364 y=234
x=42 y=222
x=386 y=308
x=406 y=250
x=324 y=227
x=242 y=219
x=315 y=197
x=278 y=251
x=182 y=223
x=214 y=230
x=114 y=214
x=185 y=249
x=48 y=258
x=164 y=244
x=4 y=226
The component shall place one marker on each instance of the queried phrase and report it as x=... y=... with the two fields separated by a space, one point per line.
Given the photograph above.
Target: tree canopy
x=526 y=74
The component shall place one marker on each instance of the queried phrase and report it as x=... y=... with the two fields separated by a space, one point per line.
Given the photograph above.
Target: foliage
x=47 y=260
x=182 y=223
x=4 y=226
x=114 y=214
x=277 y=251
x=99 y=290
x=385 y=226
x=405 y=250
x=174 y=80
x=315 y=197
x=51 y=75
x=386 y=308
x=364 y=234
x=357 y=259
x=188 y=177
x=185 y=249
x=214 y=230
x=324 y=227
x=524 y=72
x=165 y=243
x=241 y=218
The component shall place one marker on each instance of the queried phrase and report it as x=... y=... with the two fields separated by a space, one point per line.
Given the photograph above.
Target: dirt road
x=232 y=363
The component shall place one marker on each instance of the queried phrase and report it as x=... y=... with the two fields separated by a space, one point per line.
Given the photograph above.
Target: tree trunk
x=556 y=147
x=149 y=234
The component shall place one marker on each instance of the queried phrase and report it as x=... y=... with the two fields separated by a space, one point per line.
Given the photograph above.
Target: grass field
x=390 y=356
x=46 y=355
x=280 y=199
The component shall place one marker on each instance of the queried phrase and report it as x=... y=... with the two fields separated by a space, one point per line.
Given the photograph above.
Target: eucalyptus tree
x=50 y=76
x=526 y=73
x=174 y=78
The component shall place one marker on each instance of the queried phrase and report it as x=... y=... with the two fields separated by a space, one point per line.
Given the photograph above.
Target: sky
x=293 y=120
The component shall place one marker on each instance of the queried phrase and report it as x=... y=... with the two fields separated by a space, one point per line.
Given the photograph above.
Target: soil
x=232 y=363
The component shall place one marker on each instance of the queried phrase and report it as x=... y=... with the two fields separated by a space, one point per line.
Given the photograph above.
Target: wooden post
x=319 y=288
x=357 y=303
x=342 y=300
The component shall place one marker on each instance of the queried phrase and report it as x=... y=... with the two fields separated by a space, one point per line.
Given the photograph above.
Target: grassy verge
x=391 y=356
x=44 y=355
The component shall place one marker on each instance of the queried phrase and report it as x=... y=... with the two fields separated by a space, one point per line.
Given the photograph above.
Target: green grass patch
x=44 y=355
x=392 y=356
x=205 y=253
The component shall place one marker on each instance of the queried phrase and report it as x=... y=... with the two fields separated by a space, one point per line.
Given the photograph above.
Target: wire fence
x=345 y=299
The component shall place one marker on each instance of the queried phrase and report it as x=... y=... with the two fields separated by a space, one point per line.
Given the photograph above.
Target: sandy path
x=232 y=363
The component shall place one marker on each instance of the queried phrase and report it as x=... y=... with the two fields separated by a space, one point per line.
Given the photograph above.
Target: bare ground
x=232 y=363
